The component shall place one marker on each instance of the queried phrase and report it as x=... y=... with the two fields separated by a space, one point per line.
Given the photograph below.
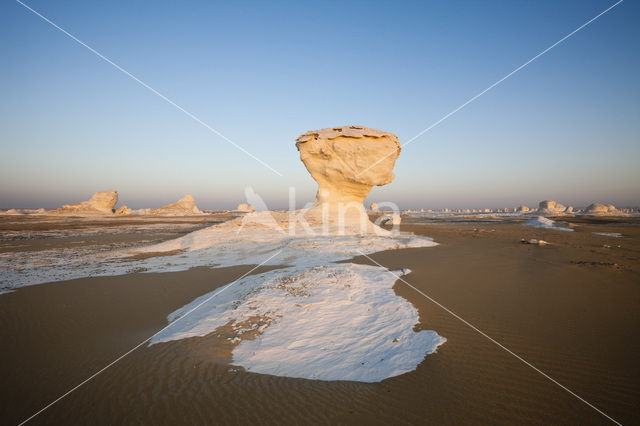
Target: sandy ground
x=570 y=308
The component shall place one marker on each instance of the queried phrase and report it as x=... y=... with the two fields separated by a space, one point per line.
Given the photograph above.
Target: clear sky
x=566 y=127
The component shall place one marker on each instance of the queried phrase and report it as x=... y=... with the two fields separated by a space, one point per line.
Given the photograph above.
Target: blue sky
x=566 y=127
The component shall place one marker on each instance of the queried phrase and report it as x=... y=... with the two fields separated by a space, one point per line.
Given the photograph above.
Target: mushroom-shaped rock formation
x=102 y=202
x=183 y=207
x=347 y=162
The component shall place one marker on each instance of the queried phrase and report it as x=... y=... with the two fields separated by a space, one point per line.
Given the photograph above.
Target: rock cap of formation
x=374 y=207
x=347 y=162
x=101 y=202
x=183 y=207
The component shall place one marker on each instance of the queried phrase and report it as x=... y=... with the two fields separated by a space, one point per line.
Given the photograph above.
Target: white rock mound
x=373 y=207
x=245 y=208
x=183 y=207
x=599 y=209
x=347 y=162
x=522 y=209
x=102 y=202
x=550 y=207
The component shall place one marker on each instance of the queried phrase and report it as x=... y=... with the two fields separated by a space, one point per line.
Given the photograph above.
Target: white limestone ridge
x=347 y=162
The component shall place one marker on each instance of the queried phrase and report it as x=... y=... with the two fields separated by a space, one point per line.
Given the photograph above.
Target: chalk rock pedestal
x=347 y=162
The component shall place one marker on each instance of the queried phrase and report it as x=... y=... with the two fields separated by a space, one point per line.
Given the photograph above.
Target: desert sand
x=569 y=307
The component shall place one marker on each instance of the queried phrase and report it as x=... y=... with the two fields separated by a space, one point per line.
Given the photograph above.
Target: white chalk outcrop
x=245 y=208
x=599 y=209
x=347 y=162
x=550 y=207
x=523 y=209
x=183 y=207
x=102 y=202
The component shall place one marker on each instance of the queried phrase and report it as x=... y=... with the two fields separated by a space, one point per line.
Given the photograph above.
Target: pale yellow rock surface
x=347 y=162
x=183 y=207
x=101 y=202
x=523 y=209
x=374 y=207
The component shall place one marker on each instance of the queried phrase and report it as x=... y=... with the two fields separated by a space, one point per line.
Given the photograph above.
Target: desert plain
x=568 y=307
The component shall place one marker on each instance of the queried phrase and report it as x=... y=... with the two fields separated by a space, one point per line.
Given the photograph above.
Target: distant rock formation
x=102 y=202
x=569 y=209
x=123 y=211
x=373 y=207
x=37 y=212
x=550 y=207
x=245 y=208
x=599 y=209
x=522 y=209
x=347 y=162
x=183 y=207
